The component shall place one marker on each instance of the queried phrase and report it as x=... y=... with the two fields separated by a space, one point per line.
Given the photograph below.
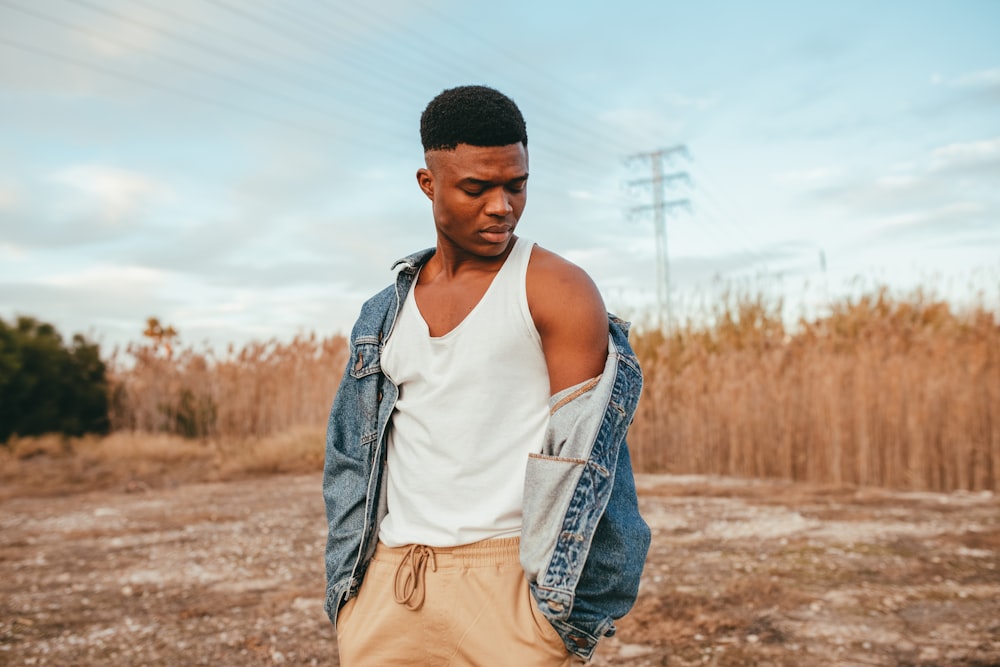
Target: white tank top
x=472 y=405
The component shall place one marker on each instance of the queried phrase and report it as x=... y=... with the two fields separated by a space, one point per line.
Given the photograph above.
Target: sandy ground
x=740 y=573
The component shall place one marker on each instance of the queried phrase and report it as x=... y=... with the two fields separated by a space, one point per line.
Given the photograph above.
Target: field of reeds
x=900 y=392
x=181 y=415
x=895 y=392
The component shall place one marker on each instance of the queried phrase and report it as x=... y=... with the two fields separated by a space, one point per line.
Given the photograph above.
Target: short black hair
x=474 y=115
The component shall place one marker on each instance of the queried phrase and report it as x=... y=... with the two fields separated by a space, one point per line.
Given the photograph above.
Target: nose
x=498 y=204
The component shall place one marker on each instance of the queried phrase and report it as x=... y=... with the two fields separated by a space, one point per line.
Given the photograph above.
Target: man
x=479 y=494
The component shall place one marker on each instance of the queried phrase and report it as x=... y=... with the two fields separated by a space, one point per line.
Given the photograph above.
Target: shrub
x=47 y=386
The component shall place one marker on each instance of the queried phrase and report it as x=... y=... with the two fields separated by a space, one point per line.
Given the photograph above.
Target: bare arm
x=570 y=317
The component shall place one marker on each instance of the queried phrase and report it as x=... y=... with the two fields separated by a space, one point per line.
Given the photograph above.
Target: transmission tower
x=659 y=183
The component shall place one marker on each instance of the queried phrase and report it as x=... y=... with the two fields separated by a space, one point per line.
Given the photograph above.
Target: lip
x=496 y=233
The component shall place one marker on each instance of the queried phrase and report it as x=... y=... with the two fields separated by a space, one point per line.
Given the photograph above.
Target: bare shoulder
x=556 y=285
x=570 y=316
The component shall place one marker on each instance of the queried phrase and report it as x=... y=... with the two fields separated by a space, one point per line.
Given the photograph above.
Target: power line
x=546 y=84
x=296 y=30
x=713 y=217
x=266 y=92
x=162 y=87
x=302 y=66
x=317 y=24
x=363 y=71
x=297 y=24
x=237 y=81
x=735 y=222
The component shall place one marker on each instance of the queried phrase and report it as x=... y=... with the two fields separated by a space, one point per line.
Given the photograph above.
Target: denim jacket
x=583 y=542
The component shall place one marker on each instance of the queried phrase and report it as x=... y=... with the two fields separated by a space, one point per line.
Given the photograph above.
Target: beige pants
x=461 y=606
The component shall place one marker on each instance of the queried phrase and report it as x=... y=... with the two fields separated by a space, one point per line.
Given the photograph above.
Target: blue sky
x=245 y=170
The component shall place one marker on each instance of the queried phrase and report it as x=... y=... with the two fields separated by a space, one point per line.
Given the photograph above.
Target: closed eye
x=517 y=185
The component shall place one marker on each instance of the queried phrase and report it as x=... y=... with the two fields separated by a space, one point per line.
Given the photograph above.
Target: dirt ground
x=740 y=573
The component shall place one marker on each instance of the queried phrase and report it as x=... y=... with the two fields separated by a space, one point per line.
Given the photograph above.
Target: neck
x=450 y=260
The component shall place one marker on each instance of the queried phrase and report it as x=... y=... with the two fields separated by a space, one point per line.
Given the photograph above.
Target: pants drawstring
x=408 y=583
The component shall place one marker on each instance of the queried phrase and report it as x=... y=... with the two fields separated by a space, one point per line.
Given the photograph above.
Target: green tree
x=47 y=386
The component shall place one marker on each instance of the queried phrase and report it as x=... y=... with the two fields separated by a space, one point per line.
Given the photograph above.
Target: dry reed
x=894 y=392
x=884 y=391
x=135 y=461
x=257 y=391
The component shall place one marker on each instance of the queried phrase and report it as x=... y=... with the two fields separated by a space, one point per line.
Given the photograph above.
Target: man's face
x=478 y=195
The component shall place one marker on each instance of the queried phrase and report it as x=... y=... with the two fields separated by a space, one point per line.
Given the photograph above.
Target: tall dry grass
x=136 y=461
x=901 y=392
x=257 y=391
x=192 y=416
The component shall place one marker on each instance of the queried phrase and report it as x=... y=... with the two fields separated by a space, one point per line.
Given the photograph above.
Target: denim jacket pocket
x=365 y=367
x=546 y=503
x=365 y=357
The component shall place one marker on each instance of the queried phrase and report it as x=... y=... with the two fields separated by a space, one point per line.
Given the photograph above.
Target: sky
x=244 y=171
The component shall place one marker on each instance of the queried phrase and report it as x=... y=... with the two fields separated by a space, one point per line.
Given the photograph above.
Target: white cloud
x=640 y=121
x=109 y=278
x=691 y=102
x=8 y=197
x=12 y=251
x=116 y=299
x=121 y=39
x=899 y=182
x=117 y=193
x=984 y=78
x=904 y=166
x=233 y=307
x=955 y=212
x=965 y=154
x=813 y=176
x=929 y=181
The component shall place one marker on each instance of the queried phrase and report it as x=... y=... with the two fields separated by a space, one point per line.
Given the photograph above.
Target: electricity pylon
x=661 y=207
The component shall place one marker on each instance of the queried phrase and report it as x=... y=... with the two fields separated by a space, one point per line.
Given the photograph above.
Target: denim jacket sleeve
x=351 y=491
x=584 y=542
x=609 y=583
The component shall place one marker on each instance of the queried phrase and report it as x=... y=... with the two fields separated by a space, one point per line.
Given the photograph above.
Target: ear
x=425 y=179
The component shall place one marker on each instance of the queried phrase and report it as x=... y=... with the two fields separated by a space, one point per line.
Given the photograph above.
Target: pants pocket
x=543 y=629
x=343 y=616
